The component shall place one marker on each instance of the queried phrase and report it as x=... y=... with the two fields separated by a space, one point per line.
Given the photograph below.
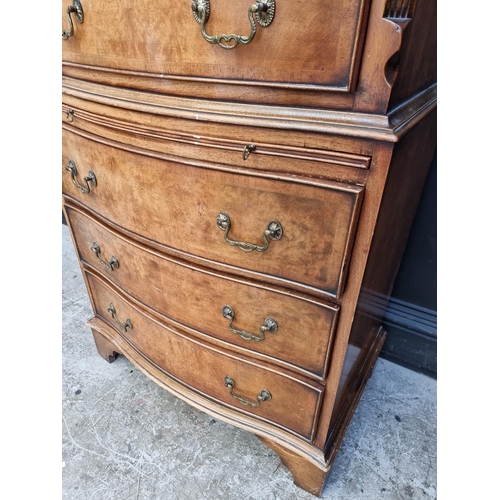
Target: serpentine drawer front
x=169 y=40
x=282 y=326
x=239 y=178
x=234 y=217
x=174 y=353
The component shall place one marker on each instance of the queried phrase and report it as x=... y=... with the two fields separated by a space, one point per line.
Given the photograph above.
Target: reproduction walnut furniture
x=239 y=202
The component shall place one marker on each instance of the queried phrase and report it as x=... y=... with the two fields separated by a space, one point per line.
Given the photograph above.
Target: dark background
x=411 y=318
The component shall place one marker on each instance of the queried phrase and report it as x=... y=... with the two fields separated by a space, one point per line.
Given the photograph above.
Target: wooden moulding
x=336 y=158
x=352 y=124
x=92 y=118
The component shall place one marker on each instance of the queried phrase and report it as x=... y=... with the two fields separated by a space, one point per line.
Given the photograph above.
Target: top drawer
x=164 y=38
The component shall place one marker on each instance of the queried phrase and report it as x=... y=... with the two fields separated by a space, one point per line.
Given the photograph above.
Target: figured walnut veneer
x=326 y=123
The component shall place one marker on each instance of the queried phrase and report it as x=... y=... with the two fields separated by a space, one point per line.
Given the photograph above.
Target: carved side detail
x=399 y=9
x=383 y=42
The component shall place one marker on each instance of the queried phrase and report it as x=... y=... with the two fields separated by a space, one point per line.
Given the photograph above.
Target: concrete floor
x=126 y=438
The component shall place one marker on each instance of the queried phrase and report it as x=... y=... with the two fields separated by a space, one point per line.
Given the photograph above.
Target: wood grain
x=203 y=368
x=167 y=41
x=178 y=208
x=194 y=297
x=339 y=99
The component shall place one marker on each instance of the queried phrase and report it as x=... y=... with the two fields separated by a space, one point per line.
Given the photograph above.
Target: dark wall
x=411 y=319
x=417 y=281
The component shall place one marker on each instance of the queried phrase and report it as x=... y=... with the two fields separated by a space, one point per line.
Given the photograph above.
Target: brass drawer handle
x=263 y=10
x=123 y=326
x=108 y=265
x=274 y=231
x=70 y=115
x=269 y=325
x=71 y=167
x=248 y=149
x=76 y=9
x=264 y=395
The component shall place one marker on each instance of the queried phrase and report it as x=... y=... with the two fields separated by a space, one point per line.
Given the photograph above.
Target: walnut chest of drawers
x=239 y=181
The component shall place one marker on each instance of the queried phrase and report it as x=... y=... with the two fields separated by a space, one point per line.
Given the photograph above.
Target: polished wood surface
x=167 y=41
x=337 y=101
x=203 y=368
x=194 y=297
x=177 y=205
x=369 y=67
x=339 y=125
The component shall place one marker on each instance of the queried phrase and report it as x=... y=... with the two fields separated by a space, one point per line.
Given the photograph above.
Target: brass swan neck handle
x=76 y=9
x=274 y=231
x=261 y=11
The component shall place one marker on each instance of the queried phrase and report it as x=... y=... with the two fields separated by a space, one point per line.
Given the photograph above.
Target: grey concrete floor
x=126 y=438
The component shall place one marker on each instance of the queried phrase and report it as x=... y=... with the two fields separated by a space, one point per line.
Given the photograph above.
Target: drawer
x=300 y=330
x=293 y=403
x=203 y=210
x=335 y=158
x=164 y=39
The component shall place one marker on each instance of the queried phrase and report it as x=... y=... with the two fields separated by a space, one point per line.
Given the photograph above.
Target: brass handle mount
x=123 y=326
x=71 y=168
x=261 y=11
x=264 y=394
x=274 y=231
x=270 y=325
x=76 y=9
x=248 y=150
x=113 y=262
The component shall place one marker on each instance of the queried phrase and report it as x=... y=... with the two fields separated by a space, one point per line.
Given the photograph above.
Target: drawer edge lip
x=335 y=158
x=206 y=338
x=381 y=127
x=344 y=89
x=287 y=438
x=346 y=187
